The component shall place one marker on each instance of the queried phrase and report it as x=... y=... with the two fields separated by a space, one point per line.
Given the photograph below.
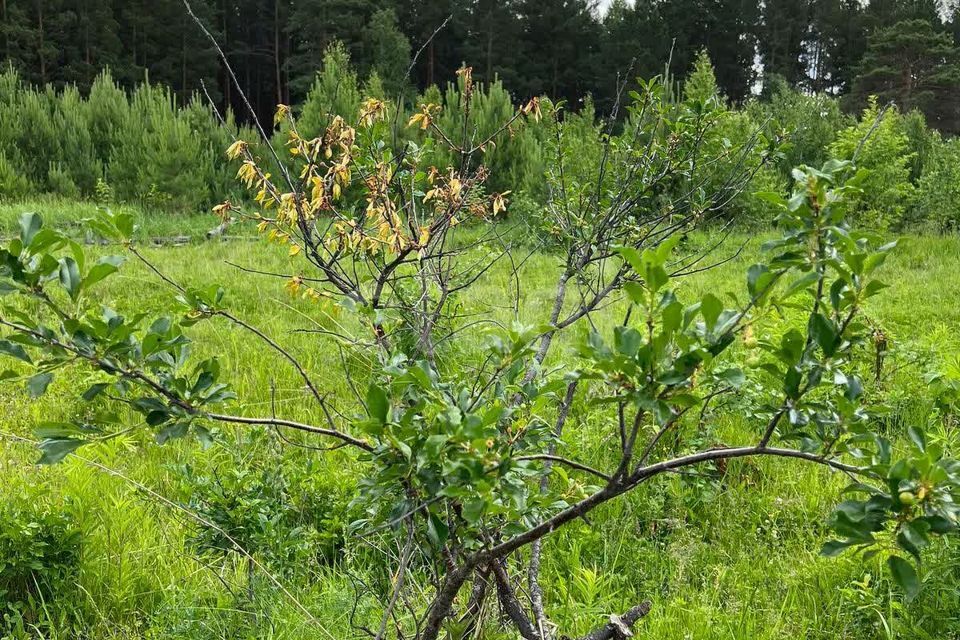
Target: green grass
x=69 y=215
x=733 y=559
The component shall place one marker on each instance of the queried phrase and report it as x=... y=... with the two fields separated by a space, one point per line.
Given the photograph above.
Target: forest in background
x=567 y=49
x=123 y=102
x=145 y=147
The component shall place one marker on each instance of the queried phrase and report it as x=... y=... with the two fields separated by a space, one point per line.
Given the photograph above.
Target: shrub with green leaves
x=808 y=123
x=39 y=559
x=879 y=144
x=938 y=192
x=271 y=514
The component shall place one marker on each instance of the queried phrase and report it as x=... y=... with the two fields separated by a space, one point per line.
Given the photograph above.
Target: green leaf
x=70 y=276
x=473 y=510
x=918 y=438
x=204 y=436
x=30 y=224
x=636 y=291
x=44 y=239
x=940 y=525
x=711 y=307
x=913 y=537
x=437 y=530
x=56 y=449
x=873 y=288
x=59 y=430
x=146 y=405
x=824 y=333
x=733 y=376
x=672 y=317
x=627 y=340
x=800 y=284
x=758 y=279
x=771 y=197
x=106 y=266
x=378 y=405
x=833 y=548
x=94 y=391
x=905 y=576
x=37 y=385
x=175 y=430
x=854 y=388
x=14 y=350
x=632 y=256
x=156 y=418
x=655 y=277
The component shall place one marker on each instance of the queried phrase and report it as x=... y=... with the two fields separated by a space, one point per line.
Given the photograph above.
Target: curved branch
x=739 y=452
x=276 y=347
x=239 y=322
x=617 y=488
x=573 y=464
x=299 y=426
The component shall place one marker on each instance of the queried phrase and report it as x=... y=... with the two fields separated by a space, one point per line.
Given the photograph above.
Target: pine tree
x=783 y=31
x=916 y=66
x=314 y=26
x=725 y=28
x=491 y=36
x=635 y=44
x=701 y=83
x=559 y=45
x=335 y=91
x=442 y=55
x=386 y=51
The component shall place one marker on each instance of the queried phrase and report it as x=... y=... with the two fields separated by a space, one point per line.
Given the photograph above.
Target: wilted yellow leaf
x=237 y=149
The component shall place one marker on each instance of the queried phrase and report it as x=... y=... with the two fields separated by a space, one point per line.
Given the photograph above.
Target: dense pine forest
x=567 y=49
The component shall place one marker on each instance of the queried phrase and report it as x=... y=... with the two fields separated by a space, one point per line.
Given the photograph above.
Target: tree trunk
x=440 y=607
x=276 y=49
x=43 y=62
x=430 y=63
x=6 y=36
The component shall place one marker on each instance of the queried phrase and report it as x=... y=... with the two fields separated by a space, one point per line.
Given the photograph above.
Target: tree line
x=143 y=147
x=903 y=50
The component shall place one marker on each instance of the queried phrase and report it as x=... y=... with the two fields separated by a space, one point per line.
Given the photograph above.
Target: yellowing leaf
x=237 y=149
x=281 y=114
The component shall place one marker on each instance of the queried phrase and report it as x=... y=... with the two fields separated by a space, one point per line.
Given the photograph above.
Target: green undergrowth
x=728 y=552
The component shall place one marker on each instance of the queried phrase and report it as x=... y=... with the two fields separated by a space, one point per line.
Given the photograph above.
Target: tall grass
x=726 y=554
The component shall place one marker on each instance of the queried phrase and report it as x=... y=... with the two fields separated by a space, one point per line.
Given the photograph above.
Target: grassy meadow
x=729 y=553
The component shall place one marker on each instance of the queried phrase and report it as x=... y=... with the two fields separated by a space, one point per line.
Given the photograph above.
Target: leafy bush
x=39 y=554
x=462 y=471
x=809 y=123
x=938 y=193
x=273 y=513
x=879 y=144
